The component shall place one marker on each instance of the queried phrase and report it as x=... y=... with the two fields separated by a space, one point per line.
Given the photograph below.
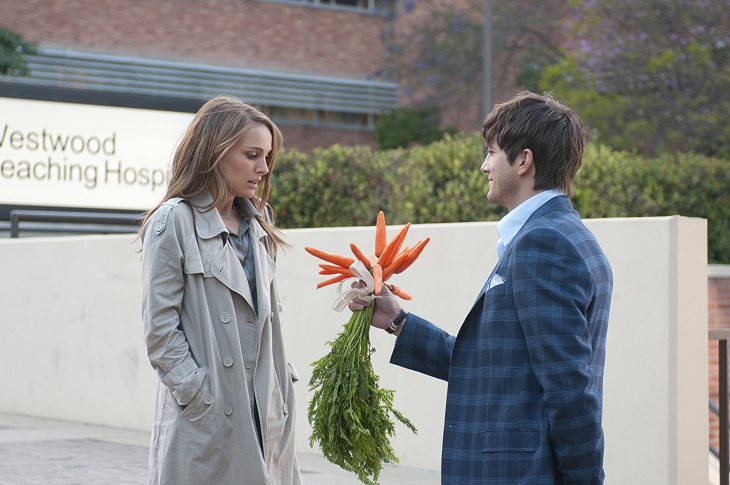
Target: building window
x=319 y=118
x=379 y=7
x=293 y=99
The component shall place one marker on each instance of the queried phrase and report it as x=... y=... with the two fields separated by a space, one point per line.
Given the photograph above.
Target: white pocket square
x=495 y=280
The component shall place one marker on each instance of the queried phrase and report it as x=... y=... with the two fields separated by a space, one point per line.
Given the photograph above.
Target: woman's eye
x=253 y=155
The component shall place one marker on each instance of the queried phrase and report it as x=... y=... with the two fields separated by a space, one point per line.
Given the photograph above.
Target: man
x=525 y=371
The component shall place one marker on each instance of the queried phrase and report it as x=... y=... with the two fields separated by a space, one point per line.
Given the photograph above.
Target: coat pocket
x=510 y=440
x=200 y=403
x=292 y=372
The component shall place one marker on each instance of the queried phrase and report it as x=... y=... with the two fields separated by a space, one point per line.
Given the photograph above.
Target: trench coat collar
x=209 y=223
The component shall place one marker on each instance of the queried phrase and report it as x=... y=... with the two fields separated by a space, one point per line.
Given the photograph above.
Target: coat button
x=228 y=409
x=208 y=398
x=225 y=317
x=285 y=408
x=228 y=361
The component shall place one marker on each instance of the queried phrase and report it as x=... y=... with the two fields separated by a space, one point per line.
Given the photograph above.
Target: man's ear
x=525 y=162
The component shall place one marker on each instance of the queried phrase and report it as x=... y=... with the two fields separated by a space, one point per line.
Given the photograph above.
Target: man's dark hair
x=551 y=130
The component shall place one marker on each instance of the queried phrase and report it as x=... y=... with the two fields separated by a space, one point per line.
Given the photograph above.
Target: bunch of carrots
x=349 y=413
x=384 y=263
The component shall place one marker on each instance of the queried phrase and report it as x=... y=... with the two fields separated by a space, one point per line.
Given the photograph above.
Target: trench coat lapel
x=222 y=258
x=265 y=267
x=227 y=269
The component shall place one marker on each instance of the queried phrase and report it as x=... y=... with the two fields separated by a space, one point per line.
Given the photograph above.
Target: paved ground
x=37 y=451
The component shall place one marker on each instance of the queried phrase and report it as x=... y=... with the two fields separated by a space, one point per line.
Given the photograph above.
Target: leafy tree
x=652 y=76
x=13 y=48
x=438 y=61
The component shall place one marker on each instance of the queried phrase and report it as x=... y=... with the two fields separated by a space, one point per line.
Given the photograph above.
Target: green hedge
x=619 y=184
x=441 y=182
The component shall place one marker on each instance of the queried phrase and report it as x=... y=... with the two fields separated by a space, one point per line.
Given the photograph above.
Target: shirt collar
x=510 y=224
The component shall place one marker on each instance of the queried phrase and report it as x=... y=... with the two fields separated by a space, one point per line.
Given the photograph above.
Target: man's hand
x=386 y=307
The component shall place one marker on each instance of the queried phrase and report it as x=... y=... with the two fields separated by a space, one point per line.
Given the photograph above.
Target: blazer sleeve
x=423 y=347
x=162 y=293
x=552 y=291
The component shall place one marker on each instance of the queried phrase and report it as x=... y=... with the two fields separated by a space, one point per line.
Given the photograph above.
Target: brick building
x=315 y=65
x=323 y=69
x=718 y=295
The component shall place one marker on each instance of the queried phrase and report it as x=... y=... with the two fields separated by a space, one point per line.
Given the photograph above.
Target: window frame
x=371 y=9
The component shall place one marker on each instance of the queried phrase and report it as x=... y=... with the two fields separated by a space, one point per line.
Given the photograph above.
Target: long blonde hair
x=216 y=127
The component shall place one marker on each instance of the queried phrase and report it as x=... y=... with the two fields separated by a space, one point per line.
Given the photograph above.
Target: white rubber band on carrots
x=346 y=296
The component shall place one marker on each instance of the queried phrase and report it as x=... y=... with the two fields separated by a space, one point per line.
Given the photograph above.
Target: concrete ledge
x=71 y=316
x=718 y=271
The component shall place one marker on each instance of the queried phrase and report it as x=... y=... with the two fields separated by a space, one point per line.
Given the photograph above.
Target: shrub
x=619 y=184
x=403 y=127
x=441 y=182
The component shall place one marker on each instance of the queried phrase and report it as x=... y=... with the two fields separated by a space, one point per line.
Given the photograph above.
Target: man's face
x=503 y=179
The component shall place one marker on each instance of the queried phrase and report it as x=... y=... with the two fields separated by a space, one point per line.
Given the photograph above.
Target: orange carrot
x=380 y=238
x=412 y=255
x=360 y=255
x=331 y=281
x=330 y=257
x=392 y=267
x=378 y=277
x=400 y=293
x=329 y=269
x=392 y=249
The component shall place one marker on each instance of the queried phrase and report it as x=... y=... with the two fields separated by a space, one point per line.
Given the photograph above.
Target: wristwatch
x=397 y=322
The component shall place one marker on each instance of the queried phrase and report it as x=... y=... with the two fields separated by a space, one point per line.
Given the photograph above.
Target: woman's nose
x=262 y=167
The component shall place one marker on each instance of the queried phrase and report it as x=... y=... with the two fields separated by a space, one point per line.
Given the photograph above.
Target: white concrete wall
x=72 y=337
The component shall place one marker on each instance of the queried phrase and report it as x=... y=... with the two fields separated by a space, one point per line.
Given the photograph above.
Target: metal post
x=487 y=59
x=723 y=414
x=14 y=220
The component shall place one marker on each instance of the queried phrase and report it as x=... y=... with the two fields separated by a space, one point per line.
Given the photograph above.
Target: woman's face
x=244 y=165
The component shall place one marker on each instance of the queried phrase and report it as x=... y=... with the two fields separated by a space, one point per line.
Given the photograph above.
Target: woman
x=225 y=402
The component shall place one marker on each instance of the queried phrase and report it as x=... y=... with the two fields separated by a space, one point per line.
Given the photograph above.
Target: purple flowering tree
x=649 y=76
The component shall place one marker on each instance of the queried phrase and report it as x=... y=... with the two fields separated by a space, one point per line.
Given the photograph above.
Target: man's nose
x=485 y=168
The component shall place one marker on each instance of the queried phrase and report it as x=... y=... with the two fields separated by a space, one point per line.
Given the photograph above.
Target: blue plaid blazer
x=525 y=372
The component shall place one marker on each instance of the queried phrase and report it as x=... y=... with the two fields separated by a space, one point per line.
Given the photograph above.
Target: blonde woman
x=225 y=401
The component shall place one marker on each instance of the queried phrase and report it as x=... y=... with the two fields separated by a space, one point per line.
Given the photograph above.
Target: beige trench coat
x=195 y=300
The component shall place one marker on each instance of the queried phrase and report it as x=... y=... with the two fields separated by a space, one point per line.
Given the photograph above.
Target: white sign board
x=75 y=155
